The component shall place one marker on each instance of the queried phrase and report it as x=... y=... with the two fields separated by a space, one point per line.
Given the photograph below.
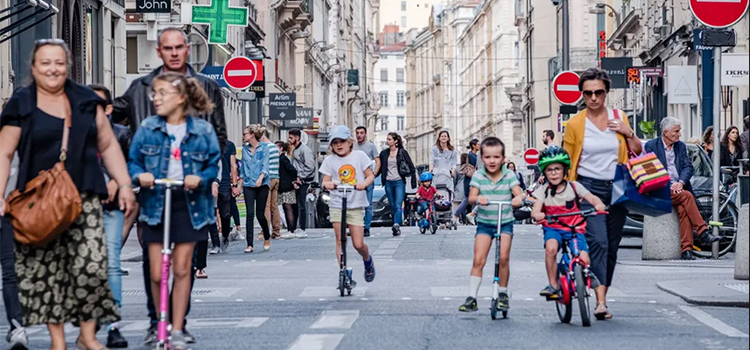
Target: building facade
x=406 y=14
x=390 y=86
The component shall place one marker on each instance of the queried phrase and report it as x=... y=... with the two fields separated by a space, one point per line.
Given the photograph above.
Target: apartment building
x=406 y=14
x=390 y=87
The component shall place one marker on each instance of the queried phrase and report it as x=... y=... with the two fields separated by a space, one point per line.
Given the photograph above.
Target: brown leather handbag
x=49 y=204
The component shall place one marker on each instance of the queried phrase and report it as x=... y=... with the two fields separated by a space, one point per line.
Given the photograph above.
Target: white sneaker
x=288 y=235
x=17 y=337
x=301 y=234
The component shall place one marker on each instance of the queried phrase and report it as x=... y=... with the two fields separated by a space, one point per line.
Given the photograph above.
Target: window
x=383 y=122
x=400 y=99
x=384 y=98
x=383 y=75
x=399 y=75
x=516 y=54
x=403 y=22
x=403 y=6
x=400 y=120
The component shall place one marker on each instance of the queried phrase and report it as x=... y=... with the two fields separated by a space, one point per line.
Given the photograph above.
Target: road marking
x=320 y=292
x=405 y=298
x=336 y=319
x=713 y=322
x=317 y=342
x=239 y=300
x=281 y=299
x=253 y=322
x=137 y=326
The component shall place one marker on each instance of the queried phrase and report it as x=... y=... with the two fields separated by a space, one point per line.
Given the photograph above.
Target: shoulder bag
x=49 y=204
x=403 y=167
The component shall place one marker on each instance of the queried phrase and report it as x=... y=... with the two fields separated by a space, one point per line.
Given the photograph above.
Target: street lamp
x=599 y=9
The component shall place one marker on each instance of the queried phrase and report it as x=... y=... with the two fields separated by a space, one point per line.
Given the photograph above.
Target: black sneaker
x=469 y=305
x=189 y=338
x=224 y=245
x=115 y=339
x=550 y=292
x=367 y=232
x=396 y=230
x=151 y=336
x=707 y=239
x=503 y=301
x=370 y=273
x=687 y=255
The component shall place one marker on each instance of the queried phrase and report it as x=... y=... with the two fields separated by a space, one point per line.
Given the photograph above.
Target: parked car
x=702 y=181
x=381 y=212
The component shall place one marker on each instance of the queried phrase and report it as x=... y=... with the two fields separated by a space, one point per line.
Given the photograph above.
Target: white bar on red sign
x=562 y=87
x=240 y=73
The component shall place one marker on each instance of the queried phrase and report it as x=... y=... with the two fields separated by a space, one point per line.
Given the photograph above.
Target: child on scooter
x=493 y=183
x=346 y=166
x=426 y=192
x=559 y=196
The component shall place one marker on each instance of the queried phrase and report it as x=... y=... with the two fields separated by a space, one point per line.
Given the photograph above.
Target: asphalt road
x=286 y=299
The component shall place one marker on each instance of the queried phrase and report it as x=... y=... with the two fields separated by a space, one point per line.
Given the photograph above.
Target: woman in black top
x=731 y=148
x=708 y=141
x=71 y=280
x=287 y=178
x=395 y=166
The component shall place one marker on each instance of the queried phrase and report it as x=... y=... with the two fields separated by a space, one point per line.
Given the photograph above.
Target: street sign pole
x=716 y=142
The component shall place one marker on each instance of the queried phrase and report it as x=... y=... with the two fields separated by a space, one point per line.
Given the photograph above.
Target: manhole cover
x=740 y=287
x=136 y=292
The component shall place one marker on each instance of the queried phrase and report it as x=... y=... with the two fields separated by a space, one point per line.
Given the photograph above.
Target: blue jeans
x=10 y=284
x=395 y=190
x=368 y=210
x=113 y=222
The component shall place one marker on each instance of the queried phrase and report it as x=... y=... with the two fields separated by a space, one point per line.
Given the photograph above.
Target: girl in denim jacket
x=176 y=146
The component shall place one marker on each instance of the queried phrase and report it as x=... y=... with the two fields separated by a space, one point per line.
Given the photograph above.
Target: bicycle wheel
x=729 y=217
x=564 y=309
x=582 y=296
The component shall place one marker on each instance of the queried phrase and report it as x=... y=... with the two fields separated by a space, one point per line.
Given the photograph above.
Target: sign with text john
x=153 y=6
x=282 y=106
x=304 y=119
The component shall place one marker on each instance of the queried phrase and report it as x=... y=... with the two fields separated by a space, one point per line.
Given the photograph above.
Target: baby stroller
x=443 y=203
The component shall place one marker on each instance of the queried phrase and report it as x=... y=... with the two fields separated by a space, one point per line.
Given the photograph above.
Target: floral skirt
x=289 y=197
x=66 y=281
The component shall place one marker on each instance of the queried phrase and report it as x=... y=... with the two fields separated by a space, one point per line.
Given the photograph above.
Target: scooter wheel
x=493 y=309
x=342 y=284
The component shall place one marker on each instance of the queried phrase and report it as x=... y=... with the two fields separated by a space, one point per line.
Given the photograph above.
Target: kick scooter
x=163 y=341
x=346 y=284
x=496 y=280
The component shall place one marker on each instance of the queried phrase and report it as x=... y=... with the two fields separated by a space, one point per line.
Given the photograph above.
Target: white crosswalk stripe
x=336 y=319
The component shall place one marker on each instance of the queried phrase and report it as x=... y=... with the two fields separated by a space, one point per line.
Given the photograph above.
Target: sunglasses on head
x=53 y=41
x=598 y=93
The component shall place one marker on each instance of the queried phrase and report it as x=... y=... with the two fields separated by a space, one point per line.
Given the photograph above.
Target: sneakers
x=178 y=340
x=115 y=339
x=125 y=271
x=151 y=336
x=707 y=239
x=189 y=338
x=469 y=305
x=367 y=232
x=503 y=301
x=370 y=273
x=224 y=245
x=288 y=235
x=17 y=337
x=396 y=230
x=550 y=292
x=301 y=234
x=214 y=250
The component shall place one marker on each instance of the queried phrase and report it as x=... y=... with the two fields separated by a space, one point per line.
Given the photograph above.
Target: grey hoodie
x=304 y=162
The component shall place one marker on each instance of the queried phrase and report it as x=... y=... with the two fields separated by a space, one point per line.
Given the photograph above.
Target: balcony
x=297 y=13
x=519 y=16
x=632 y=12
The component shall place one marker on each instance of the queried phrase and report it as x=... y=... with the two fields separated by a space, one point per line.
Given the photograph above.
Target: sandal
x=249 y=250
x=267 y=245
x=602 y=313
x=201 y=274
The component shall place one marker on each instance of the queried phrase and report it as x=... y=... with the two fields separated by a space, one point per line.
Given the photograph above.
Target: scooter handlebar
x=168 y=182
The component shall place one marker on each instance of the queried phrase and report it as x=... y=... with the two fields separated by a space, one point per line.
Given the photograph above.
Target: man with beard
x=372 y=152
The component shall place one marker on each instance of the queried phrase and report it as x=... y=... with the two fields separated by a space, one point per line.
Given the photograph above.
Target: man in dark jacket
x=135 y=106
x=672 y=153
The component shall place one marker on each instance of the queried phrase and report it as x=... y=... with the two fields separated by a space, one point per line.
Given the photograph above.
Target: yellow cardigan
x=573 y=141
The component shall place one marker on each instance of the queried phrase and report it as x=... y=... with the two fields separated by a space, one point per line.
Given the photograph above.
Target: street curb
x=740 y=301
x=665 y=263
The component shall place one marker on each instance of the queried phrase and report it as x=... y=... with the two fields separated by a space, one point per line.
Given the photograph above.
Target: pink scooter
x=163 y=341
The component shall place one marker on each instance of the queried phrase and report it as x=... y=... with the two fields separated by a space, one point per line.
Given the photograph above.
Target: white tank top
x=600 y=151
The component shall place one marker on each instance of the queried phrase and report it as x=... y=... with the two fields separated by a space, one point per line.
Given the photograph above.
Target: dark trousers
x=256 y=197
x=235 y=212
x=603 y=232
x=201 y=247
x=300 y=207
x=13 y=309
x=150 y=297
x=227 y=206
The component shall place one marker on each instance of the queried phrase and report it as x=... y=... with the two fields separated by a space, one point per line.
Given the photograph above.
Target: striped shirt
x=273 y=160
x=500 y=191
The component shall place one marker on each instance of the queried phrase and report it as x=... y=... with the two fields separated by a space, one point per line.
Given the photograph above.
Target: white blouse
x=600 y=151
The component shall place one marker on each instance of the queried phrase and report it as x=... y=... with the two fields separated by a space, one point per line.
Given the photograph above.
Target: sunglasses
x=49 y=41
x=598 y=93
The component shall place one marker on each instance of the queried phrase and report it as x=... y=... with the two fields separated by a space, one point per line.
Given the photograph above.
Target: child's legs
x=423 y=206
x=506 y=241
x=482 y=244
x=551 y=247
x=356 y=223
x=335 y=214
x=182 y=262
x=155 y=255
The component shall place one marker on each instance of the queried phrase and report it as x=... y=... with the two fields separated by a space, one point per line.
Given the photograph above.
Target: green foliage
x=648 y=128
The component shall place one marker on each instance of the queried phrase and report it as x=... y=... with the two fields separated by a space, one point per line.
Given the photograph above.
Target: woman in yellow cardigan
x=597 y=140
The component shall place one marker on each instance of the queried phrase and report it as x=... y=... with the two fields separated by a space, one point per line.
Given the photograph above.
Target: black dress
x=65 y=281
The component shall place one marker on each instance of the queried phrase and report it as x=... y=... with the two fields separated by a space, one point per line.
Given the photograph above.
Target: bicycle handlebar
x=169 y=183
x=583 y=214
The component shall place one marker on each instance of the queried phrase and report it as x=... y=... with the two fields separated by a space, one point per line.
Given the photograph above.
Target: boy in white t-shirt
x=345 y=166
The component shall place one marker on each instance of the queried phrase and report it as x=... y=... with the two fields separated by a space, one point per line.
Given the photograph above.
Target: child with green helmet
x=560 y=196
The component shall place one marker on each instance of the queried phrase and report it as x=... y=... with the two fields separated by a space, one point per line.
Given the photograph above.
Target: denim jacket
x=149 y=153
x=255 y=164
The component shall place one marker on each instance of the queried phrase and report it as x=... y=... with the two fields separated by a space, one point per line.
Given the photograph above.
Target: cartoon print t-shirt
x=349 y=170
x=176 y=135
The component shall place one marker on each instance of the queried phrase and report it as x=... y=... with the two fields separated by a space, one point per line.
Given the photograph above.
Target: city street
x=285 y=299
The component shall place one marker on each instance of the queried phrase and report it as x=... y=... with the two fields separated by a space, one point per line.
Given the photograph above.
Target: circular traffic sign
x=240 y=72
x=565 y=88
x=531 y=156
x=718 y=13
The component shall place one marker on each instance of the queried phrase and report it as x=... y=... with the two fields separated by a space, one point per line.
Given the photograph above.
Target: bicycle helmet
x=552 y=155
x=426 y=176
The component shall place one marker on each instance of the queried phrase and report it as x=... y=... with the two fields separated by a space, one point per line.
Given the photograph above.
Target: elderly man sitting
x=674 y=155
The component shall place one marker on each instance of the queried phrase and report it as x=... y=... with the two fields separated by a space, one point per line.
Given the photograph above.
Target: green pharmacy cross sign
x=219 y=16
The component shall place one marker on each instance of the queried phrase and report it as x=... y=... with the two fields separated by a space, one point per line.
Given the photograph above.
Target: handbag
x=625 y=192
x=468 y=169
x=49 y=204
x=403 y=167
x=648 y=173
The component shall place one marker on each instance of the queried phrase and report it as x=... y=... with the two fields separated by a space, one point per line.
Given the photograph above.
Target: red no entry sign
x=565 y=88
x=531 y=156
x=240 y=73
x=718 y=13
